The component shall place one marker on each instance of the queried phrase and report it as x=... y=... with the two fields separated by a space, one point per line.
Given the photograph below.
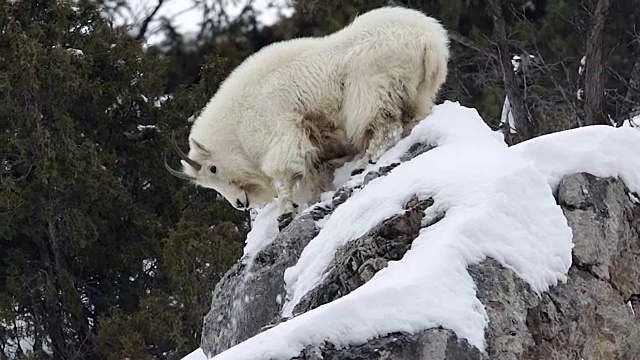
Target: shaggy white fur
x=293 y=111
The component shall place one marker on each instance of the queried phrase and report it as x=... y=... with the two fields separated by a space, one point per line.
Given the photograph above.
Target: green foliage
x=193 y=256
x=87 y=206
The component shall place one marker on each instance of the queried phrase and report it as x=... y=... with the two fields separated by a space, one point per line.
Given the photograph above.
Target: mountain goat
x=294 y=110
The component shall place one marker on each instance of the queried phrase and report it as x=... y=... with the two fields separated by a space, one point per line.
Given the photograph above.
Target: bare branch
x=462 y=40
x=147 y=20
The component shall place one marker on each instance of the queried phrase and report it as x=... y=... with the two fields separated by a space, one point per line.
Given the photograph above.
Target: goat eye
x=213 y=169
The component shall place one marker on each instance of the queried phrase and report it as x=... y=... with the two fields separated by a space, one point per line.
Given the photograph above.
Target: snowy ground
x=600 y=150
x=196 y=354
x=498 y=204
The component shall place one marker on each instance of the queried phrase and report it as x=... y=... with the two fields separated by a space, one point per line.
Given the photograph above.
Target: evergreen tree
x=87 y=206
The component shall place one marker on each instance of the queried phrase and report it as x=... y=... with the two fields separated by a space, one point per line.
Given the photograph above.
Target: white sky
x=186 y=17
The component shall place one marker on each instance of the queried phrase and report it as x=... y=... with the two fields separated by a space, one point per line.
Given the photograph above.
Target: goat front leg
x=286 y=206
x=320 y=178
x=384 y=137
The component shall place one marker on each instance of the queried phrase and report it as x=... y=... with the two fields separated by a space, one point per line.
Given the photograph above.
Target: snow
x=148 y=265
x=75 y=52
x=25 y=341
x=497 y=204
x=515 y=62
x=141 y=127
x=633 y=122
x=263 y=231
x=264 y=222
x=197 y=354
x=600 y=150
x=162 y=99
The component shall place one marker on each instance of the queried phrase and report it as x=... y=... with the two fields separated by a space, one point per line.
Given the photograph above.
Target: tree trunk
x=51 y=302
x=594 y=71
x=521 y=118
x=633 y=88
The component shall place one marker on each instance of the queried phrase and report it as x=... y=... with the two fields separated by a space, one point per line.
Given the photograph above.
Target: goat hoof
x=284 y=220
x=356 y=172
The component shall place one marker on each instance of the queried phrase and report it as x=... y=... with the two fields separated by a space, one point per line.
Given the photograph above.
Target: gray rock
x=249 y=297
x=506 y=299
x=415 y=150
x=432 y=344
x=588 y=318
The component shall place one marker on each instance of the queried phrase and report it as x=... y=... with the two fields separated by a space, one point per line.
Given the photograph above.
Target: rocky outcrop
x=360 y=259
x=594 y=315
x=433 y=344
x=249 y=296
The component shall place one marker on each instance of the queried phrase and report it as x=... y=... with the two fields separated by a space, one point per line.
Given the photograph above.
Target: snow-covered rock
x=452 y=246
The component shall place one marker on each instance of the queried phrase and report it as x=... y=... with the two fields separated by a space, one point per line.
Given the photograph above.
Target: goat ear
x=199 y=146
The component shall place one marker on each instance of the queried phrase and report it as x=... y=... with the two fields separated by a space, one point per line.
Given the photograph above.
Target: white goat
x=296 y=109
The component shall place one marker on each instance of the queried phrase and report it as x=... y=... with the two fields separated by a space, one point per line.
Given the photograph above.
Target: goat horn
x=182 y=155
x=176 y=173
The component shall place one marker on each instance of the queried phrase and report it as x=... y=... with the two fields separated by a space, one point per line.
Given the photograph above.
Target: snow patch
x=633 y=122
x=600 y=150
x=515 y=62
x=141 y=127
x=159 y=101
x=263 y=231
x=19 y=338
x=75 y=52
x=197 y=354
